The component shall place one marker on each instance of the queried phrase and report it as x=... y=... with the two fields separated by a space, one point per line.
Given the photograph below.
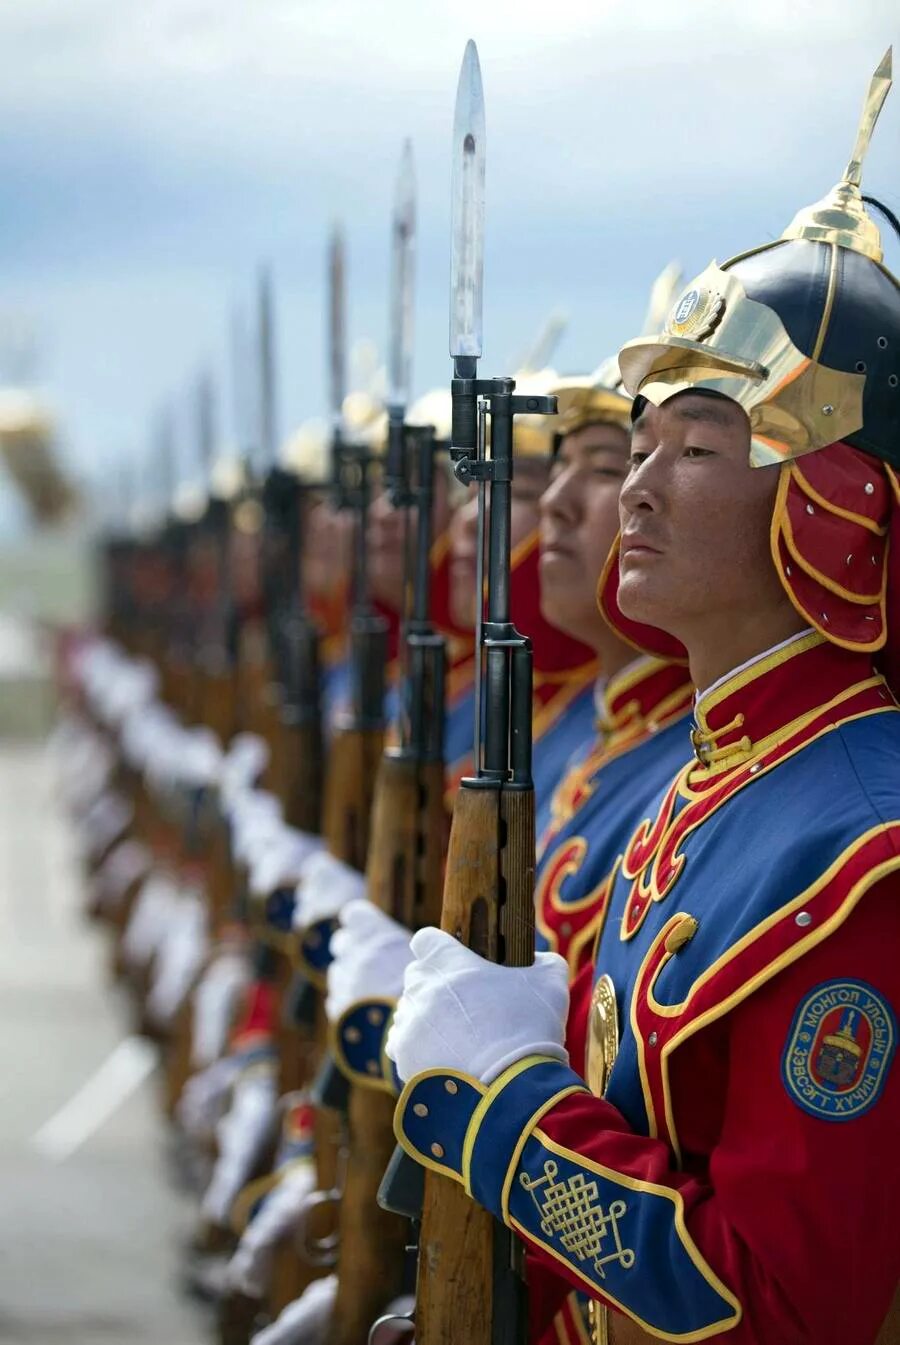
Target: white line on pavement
x=122 y=1072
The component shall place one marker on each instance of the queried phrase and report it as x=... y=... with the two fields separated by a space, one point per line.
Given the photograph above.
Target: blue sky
x=153 y=154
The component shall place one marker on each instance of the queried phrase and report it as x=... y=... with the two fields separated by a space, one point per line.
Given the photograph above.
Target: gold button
x=353 y=1034
x=437 y=1150
x=375 y=1017
x=420 y=1109
x=372 y=1067
x=450 y=1086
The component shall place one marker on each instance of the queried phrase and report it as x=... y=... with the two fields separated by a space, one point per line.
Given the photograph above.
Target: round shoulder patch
x=839 y=1050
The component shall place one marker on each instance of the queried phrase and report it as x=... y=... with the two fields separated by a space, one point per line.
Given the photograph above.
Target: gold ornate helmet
x=599 y=398
x=307 y=453
x=803 y=333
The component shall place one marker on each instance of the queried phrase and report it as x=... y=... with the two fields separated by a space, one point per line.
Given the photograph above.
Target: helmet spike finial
x=841 y=216
x=879 y=88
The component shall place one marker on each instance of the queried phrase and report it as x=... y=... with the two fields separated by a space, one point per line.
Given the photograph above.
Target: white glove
x=306 y=1320
x=154 y=907
x=325 y=887
x=242 y=1136
x=105 y=822
x=179 y=958
x=214 y=1004
x=242 y=765
x=201 y=759
x=370 y=953
x=249 y=1270
x=255 y=819
x=282 y=861
x=460 y=1012
x=205 y=1096
x=125 y=863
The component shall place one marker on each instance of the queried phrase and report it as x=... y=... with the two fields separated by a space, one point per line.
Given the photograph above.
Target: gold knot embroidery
x=572 y=1210
x=704 y=742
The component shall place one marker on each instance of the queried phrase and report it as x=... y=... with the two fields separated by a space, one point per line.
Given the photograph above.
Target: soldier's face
x=386 y=534
x=694 y=517
x=579 y=519
x=327 y=549
x=530 y=479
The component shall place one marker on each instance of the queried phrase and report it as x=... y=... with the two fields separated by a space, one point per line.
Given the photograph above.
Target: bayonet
x=467 y=212
x=206 y=428
x=400 y=338
x=238 y=354
x=337 y=329
x=268 y=421
x=166 y=458
x=403 y=252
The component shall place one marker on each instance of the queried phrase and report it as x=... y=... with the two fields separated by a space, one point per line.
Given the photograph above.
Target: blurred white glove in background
x=370 y=953
x=242 y=1135
x=306 y=1320
x=326 y=885
x=249 y=1269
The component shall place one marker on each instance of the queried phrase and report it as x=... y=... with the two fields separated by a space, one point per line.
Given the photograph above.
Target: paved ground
x=87 y=1243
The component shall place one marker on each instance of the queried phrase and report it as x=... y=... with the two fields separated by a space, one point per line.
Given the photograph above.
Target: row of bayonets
x=181 y=487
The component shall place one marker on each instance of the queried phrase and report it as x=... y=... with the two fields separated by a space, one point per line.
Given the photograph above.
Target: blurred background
x=152 y=157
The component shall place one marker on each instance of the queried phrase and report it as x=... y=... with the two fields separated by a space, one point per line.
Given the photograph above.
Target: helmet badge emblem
x=697 y=313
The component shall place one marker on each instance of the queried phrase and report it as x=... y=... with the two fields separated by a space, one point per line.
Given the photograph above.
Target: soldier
x=727 y=1169
x=640 y=702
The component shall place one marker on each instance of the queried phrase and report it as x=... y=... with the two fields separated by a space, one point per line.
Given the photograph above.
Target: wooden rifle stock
x=464 y=1253
x=353 y=758
x=404 y=879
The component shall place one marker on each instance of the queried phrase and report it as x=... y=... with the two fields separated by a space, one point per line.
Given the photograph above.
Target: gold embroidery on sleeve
x=571 y=1209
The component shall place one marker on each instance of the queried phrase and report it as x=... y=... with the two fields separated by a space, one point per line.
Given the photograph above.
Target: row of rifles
x=217 y=604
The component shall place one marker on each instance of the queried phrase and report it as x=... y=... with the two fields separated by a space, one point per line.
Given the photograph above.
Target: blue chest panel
x=582 y=852
x=554 y=748
x=767 y=844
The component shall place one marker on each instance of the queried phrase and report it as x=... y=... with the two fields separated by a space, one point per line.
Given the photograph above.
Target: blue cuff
x=432 y=1117
x=315 y=950
x=453 y=1124
x=358 y=1039
x=279 y=909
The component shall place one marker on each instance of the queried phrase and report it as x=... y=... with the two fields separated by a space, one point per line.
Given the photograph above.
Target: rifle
x=217 y=659
x=470 y=1289
x=405 y=874
x=356 y=747
x=297 y=640
x=405 y=864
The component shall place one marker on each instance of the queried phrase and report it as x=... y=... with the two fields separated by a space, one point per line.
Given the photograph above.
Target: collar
x=640 y=699
x=749 y=710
